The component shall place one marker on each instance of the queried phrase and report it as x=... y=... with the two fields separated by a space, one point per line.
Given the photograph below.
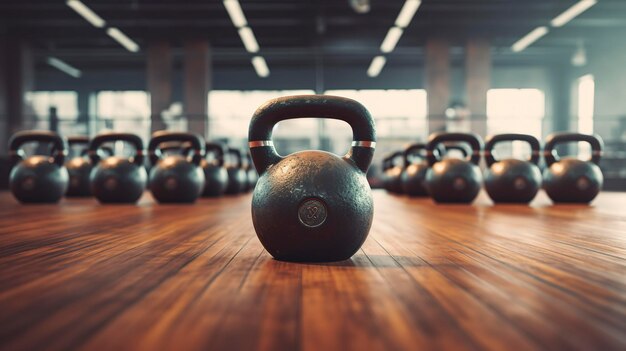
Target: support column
x=437 y=74
x=20 y=76
x=4 y=127
x=198 y=76
x=159 y=79
x=83 y=119
x=477 y=82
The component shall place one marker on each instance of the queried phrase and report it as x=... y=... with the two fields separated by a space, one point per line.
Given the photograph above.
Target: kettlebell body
x=453 y=180
x=312 y=205
x=117 y=179
x=79 y=169
x=414 y=174
x=394 y=174
x=215 y=174
x=570 y=180
x=512 y=180
x=237 y=176
x=38 y=178
x=176 y=178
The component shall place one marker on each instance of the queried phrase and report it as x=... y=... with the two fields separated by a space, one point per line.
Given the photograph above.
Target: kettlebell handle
x=302 y=106
x=219 y=149
x=551 y=156
x=395 y=155
x=132 y=139
x=194 y=141
x=237 y=153
x=412 y=149
x=492 y=140
x=59 y=145
x=474 y=141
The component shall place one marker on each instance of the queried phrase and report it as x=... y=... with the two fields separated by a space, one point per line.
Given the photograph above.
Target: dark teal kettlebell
x=38 y=178
x=569 y=179
x=215 y=174
x=414 y=173
x=237 y=176
x=117 y=179
x=176 y=178
x=312 y=205
x=512 y=180
x=453 y=180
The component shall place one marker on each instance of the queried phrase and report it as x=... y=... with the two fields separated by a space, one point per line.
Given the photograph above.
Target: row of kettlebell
x=454 y=180
x=111 y=179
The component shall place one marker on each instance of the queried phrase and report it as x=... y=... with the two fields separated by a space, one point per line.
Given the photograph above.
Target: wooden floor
x=80 y=275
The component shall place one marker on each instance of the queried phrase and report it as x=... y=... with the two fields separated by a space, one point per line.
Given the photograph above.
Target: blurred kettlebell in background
x=237 y=177
x=116 y=179
x=176 y=177
x=414 y=173
x=453 y=180
x=394 y=172
x=512 y=180
x=251 y=172
x=79 y=166
x=569 y=179
x=38 y=178
x=215 y=174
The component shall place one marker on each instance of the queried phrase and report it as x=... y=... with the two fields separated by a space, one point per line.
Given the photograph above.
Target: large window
x=66 y=105
x=586 y=92
x=398 y=113
x=124 y=111
x=515 y=111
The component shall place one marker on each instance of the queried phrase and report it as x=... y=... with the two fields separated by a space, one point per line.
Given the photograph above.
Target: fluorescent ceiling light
x=121 y=38
x=393 y=35
x=86 y=13
x=408 y=11
x=236 y=13
x=249 y=41
x=64 y=67
x=572 y=12
x=376 y=66
x=529 y=38
x=260 y=66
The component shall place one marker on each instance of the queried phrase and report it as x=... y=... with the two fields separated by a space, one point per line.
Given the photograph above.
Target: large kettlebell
x=176 y=178
x=237 y=177
x=215 y=174
x=414 y=173
x=570 y=179
x=394 y=172
x=38 y=178
x=251 y=173
x=117 y=179
x=453 y=180
x=512 y=180
x=312 y=205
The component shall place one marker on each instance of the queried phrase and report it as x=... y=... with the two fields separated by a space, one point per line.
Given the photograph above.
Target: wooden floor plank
x=80 y=275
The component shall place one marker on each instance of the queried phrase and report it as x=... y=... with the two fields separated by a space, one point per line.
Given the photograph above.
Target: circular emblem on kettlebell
x=459 y=183
x=171 y=183
x=519 y=183
x=583 y=183
x=28 y=183
x=312 y=212
x=110 y=183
